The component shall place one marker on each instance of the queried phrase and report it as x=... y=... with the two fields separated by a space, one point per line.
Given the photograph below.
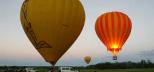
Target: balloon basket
x=52 y=68
x=114 y=57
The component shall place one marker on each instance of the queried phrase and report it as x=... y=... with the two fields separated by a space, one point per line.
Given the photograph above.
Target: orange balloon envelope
x=113 y=29
x=87 y=59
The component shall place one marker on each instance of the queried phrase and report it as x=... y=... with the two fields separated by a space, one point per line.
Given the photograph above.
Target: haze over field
x=16 y=49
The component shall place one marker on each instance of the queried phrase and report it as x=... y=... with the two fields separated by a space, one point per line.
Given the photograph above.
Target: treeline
x=22 y=68
x=104 y=65
x=122 y=65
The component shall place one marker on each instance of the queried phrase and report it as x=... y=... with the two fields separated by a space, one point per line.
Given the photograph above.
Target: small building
x=30 y=70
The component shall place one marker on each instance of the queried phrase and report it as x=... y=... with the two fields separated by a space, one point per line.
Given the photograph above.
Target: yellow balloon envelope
x=87 y=59
x=52 y=25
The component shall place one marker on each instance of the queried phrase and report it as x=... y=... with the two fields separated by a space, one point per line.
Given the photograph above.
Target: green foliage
x=118 y=70
x=122 y=65
x=142 y=66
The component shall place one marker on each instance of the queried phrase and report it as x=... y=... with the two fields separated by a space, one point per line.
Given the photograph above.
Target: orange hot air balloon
x=87 y=59
x=113 y=29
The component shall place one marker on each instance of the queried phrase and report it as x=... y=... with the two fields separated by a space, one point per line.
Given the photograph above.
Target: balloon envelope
x=52 y=26
x=87 y=59
x=113 y=29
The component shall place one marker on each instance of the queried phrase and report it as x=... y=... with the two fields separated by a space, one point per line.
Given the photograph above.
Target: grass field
x=111 y=70
x=107 y=70
x=119 y=70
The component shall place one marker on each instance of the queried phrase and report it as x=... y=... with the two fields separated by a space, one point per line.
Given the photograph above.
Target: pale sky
x=16 y=49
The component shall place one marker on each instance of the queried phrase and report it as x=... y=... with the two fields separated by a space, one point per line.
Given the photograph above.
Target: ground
x=120 y=70
x=107 y=70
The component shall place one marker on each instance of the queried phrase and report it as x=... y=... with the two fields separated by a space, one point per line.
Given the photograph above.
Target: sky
x=16 y=49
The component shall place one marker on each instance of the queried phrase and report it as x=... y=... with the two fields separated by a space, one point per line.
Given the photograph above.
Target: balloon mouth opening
x=114 y=52
x=52 y=62
x=115 y=46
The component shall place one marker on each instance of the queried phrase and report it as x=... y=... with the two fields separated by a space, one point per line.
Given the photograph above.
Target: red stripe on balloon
x=105 y=38
x=107 y=30
x=97 y=29
x=119 y=27
x=113 y=28
x=125 y=31
x=128 y=30
x=100 y=30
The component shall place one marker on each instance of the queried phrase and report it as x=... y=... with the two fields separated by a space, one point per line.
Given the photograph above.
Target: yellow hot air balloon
x=52 y=26
x=87 y=59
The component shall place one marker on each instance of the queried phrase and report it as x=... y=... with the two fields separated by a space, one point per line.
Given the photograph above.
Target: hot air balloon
x=113 y=29
x=87 y=59
x=52 y=26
